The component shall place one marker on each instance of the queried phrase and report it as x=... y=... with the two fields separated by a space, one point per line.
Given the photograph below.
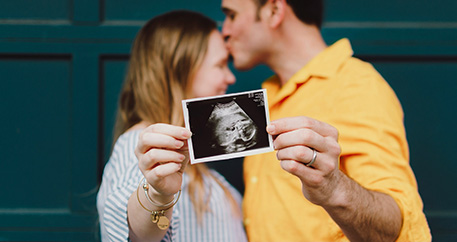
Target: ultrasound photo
x=227 y=126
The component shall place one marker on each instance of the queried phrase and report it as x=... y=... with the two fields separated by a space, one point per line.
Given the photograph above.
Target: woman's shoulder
x=139 y=126
x=124 y=148
x=128 y=138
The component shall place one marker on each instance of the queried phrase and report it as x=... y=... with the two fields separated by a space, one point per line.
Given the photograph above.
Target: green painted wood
x=35 y=10
x=47 y=190
x=62 y=64
x=427 y=88
x=113 y=69
x=391 y=11
x=124 y=11
x=84 y=15
x=35 y=103
x=85 y=124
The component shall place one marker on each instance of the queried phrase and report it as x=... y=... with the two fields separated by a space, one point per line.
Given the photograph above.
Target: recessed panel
x=427 y=91
x=35 y=105
x=114 y=70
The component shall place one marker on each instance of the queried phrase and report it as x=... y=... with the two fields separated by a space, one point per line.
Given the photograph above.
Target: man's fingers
x=301 y=154
x=309 y=177
x=293 y=123
x=324 y=162
x=303 y=136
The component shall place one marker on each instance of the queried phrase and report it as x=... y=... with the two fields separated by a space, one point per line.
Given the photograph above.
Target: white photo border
x=194 y=160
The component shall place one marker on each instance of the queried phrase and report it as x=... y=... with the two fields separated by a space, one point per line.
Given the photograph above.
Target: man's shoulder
x=355 y=66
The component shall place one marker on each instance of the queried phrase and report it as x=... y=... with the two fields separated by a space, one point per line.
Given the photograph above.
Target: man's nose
x=225 y=30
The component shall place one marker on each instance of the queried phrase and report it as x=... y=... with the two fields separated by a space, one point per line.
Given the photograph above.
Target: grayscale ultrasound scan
x=227 y=126
x=232 y=129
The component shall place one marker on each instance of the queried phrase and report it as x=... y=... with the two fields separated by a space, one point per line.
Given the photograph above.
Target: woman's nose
x=229 y=77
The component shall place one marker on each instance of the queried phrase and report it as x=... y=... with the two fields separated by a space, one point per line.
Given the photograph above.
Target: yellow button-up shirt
x=349 y=94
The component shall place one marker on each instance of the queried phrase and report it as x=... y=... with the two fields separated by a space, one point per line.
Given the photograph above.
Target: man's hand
x=295 y=139
x=362 y=214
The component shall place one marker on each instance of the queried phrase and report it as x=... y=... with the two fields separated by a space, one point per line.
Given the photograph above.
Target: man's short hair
x=308 y=11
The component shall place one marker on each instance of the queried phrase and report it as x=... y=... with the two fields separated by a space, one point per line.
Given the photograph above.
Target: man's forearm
x=365 y=215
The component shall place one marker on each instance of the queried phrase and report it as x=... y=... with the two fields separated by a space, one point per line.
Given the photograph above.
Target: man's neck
x=297 y=47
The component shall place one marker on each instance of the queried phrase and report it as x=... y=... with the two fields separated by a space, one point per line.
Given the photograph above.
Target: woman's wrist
x=158 y=212
x=159 y=198
x=155 y=198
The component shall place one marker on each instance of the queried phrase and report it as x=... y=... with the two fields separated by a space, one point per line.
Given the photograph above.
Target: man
x=355 y=182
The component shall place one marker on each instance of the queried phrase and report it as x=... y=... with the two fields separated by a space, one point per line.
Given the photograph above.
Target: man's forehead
x=228 y=4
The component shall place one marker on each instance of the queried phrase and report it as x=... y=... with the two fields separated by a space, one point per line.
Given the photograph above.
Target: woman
x=175 y=56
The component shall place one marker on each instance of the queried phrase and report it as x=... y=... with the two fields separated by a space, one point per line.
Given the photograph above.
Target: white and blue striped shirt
x=121 y=177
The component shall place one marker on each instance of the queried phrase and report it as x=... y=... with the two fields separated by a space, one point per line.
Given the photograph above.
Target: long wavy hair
x=166 y=53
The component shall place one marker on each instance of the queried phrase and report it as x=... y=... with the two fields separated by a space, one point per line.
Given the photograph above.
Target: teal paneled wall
x=113 y=70
x=392 y=11
x=62 y=64
x=23 y=10
x=32 y=107
x=426 y=87
x=139 y=10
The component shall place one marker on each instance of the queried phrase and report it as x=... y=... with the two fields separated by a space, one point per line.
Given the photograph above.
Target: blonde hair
x=166 y=53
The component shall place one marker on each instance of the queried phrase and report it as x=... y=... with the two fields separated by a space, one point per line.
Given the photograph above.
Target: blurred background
x=62 y=63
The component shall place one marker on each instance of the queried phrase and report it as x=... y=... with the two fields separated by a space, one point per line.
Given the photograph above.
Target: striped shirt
x=120 y=179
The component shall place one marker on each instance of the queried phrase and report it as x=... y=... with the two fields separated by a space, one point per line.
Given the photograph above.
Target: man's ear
x=276 y=12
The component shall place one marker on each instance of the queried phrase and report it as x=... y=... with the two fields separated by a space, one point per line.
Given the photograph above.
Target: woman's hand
x=162 y=154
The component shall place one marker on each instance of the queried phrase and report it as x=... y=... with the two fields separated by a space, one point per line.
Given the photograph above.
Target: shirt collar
x=324 y=65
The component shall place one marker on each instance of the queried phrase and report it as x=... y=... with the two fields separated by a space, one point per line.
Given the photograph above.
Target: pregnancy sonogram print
x=227 y=126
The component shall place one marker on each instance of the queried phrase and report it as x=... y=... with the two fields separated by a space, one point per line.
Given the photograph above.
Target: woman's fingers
x=165 y=179
x=155 y=157
x=162 y=156
x=162 y=136
x=157 y=140
x=163 y=170
x=170 y=130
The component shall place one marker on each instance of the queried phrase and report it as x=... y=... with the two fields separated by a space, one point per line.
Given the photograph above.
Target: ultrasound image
x=227 y=126
x=231 y=128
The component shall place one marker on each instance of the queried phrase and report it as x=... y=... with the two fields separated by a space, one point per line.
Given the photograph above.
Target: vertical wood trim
x=84 y=133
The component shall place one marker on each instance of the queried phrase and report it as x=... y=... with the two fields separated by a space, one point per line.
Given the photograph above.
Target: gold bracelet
x=146 y=193
x=158 y=217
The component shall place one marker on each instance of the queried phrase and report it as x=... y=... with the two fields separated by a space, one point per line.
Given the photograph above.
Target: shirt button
x=246 y=222
x=254 y=179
